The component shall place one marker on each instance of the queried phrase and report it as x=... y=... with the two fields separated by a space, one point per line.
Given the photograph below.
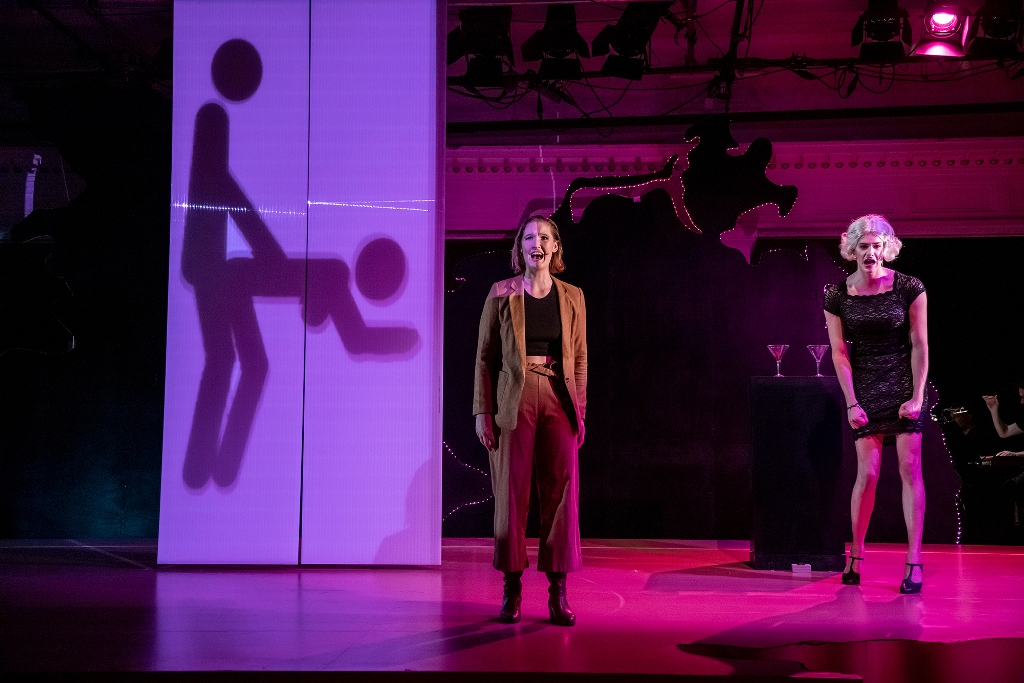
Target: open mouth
x=537 y=255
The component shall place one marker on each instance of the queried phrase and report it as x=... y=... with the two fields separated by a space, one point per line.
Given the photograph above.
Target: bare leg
x=862 y=502
x=908 y=447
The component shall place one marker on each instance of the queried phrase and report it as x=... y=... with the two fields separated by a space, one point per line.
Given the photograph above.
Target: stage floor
x=655 y=607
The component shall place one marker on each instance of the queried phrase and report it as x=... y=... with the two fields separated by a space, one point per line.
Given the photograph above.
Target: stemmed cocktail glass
x=777 y=351
x=818 y=351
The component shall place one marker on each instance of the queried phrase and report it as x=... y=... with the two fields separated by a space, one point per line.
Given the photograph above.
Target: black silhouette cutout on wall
x=719 y=186
x=714 y=190
x=677 y=324
x=225 y=288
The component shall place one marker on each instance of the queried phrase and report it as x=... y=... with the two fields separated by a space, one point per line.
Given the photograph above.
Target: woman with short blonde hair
x=882 y=314
x=872 y=223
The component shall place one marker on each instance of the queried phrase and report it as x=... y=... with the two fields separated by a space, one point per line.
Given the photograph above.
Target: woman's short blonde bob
x=872 y=223
x=518 y=263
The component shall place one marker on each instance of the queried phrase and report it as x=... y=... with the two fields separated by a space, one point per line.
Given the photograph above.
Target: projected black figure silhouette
x=224 y=288
x=719 y=186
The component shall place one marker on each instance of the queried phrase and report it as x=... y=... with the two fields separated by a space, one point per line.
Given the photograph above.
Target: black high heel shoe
x=852 y=578
x=909 y=587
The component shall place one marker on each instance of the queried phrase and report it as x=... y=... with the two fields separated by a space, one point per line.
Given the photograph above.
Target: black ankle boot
x=558 y=606
x=512 y=598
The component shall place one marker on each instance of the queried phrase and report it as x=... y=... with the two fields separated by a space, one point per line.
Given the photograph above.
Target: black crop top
x=543 y=325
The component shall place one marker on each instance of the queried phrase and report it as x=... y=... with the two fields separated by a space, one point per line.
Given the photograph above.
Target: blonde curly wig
x=872 y=223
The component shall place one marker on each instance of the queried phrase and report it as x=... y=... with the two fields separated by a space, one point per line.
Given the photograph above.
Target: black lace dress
x=877 y=331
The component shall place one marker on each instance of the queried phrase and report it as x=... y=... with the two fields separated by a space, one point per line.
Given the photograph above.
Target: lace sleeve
x=911 y=288
x=832 y=298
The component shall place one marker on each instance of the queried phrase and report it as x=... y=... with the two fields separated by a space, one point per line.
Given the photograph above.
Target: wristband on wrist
x=855 y=405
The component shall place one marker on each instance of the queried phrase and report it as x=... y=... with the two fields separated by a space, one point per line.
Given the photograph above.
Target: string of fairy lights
x=473 y=503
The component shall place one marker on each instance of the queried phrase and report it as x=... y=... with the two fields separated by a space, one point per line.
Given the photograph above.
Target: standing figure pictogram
x=225 y=288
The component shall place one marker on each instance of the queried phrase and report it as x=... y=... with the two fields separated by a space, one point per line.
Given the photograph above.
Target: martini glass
x=818 y=351
x=777 y=351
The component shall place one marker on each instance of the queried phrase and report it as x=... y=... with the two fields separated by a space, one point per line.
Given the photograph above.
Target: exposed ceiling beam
x=755 y=64
x=972 y=108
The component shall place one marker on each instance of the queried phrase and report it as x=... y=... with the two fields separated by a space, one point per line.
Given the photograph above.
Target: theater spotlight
x=882 y=31
x=629 y=38
x=483 y=37
x=945 y=30
x=554 y=44
x=996 y=30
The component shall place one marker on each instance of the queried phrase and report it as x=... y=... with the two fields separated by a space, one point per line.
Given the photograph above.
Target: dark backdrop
x=975 y=324
x=677 y=325
x=80 y=433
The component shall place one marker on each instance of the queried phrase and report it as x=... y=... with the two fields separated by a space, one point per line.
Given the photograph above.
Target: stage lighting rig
x=945 y=30
x=999 y=24
x=558 y=46
x=882 y=32
x=484 y=38
x=629 y=37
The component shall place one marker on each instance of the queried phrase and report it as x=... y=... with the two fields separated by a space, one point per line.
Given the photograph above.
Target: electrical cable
x=714 y=9
x=680 y=106
x=840 y=79
x=604 y=4
x=708 y=36
x=750 y=27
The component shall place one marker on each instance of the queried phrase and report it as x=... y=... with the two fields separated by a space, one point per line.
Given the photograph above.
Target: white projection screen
x=303 y=380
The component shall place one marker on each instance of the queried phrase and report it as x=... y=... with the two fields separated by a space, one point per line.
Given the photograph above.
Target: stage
x=690 y=608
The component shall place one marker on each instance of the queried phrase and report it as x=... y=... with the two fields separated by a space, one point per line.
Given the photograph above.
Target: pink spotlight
x=938 y=50
x=943 y=24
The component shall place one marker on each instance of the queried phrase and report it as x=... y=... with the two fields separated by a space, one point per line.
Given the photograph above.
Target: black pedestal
x=801 y=512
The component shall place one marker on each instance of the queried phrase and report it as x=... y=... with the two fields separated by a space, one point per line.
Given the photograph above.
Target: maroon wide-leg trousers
x=542 y=445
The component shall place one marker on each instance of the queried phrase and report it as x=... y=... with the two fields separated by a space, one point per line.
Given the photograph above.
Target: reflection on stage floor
x=644 y=607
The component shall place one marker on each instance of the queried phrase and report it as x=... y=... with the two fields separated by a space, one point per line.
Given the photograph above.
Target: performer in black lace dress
x=881 y=315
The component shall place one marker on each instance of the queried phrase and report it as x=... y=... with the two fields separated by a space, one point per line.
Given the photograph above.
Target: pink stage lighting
x=938 y=50
x=943 y=24
x=945 y=31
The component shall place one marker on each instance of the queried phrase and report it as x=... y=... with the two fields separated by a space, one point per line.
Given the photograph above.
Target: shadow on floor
x=993 y=660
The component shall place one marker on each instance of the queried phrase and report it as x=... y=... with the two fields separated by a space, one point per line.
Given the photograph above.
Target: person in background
x=1004 y=430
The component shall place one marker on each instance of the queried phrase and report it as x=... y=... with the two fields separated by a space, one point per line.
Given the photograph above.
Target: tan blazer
x=501 y=356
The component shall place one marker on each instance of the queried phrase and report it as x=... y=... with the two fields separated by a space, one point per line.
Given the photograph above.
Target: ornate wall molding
x=928 y=188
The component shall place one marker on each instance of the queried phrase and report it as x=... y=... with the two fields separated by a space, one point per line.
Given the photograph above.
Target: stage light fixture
x=558 y=46
x=945 y=32
x=629 y=37
x=484 y=38
x=943 y=24
x=996 y=31
x=882 y=31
